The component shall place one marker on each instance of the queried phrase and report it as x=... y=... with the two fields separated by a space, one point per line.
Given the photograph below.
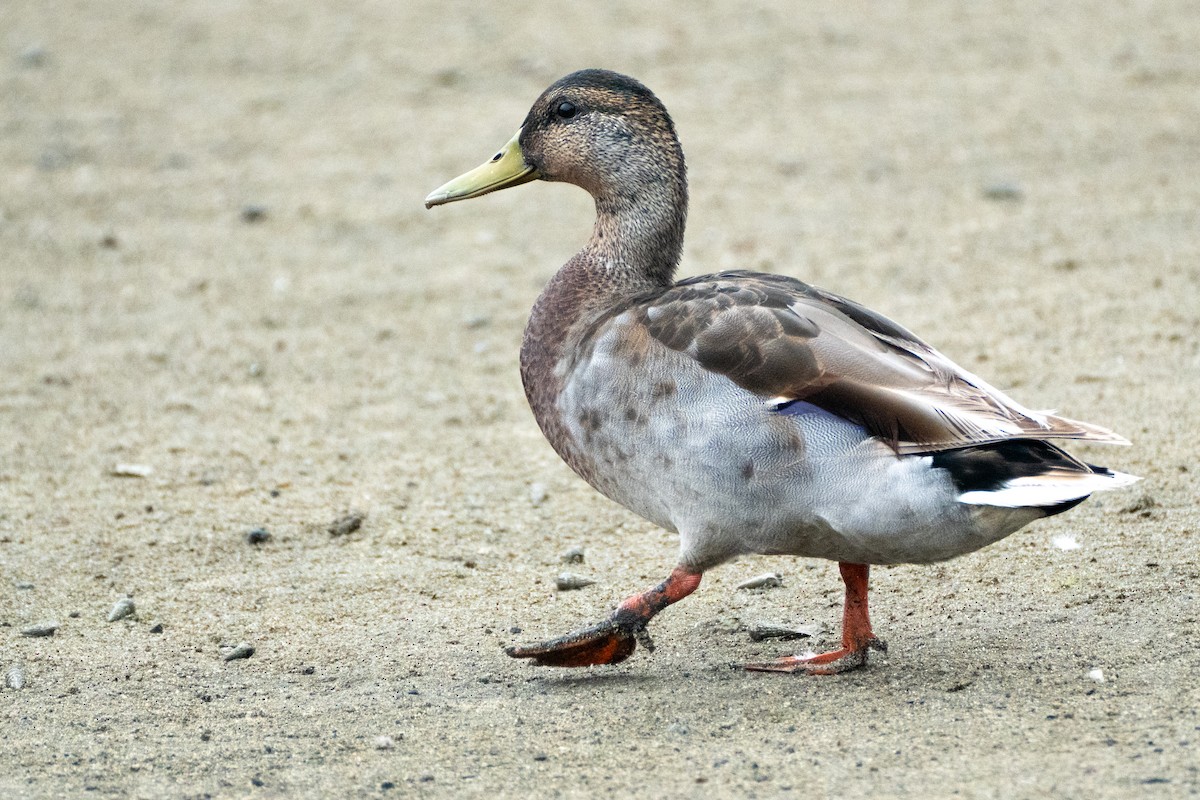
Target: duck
x=750 y=413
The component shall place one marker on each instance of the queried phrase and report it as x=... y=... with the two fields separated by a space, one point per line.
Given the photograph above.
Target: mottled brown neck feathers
x=639 y=236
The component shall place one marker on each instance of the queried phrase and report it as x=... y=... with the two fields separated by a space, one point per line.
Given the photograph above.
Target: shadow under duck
x=750 y=413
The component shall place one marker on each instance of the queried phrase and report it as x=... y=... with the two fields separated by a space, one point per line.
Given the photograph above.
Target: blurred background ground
x=215 y=269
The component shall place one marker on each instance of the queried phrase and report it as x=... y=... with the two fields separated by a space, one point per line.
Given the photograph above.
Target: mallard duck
x=748 y=412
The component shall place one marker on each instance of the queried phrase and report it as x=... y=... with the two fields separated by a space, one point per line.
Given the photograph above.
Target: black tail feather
x=988 y=467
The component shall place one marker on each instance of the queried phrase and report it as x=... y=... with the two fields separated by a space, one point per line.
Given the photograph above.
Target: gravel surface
x=223 y=308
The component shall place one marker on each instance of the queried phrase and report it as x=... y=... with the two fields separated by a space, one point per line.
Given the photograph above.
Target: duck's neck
x=637 y=239
x=634 y=248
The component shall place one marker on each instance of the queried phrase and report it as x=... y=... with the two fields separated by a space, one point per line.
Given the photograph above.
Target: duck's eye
x=565 y=110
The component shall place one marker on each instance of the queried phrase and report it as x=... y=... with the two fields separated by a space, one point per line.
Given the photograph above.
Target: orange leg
x=615 y=639
x=857 y=637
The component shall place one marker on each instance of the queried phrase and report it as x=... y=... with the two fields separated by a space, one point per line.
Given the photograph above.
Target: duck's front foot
x=610 y=642
x=831 y=663
x=857 y=637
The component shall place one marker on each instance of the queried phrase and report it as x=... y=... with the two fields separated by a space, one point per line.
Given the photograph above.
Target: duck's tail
x=1025 y=473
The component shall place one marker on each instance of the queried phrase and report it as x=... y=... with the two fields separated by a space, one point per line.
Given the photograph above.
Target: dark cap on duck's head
x=604 y=80
x=598 y=129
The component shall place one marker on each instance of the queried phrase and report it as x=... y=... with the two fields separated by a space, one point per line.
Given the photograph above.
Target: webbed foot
x=615 y=639
x=610 y=642
x=857 y=637
x=831 y=663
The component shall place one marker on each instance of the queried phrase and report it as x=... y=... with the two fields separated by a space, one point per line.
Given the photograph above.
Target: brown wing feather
x=780 y=338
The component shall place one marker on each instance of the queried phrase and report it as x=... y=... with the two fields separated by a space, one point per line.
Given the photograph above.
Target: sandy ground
x=215 y=264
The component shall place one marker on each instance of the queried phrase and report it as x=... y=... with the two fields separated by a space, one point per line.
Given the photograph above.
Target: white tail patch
x=1048 y=490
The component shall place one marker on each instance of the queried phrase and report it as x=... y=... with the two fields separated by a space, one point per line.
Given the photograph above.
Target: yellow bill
x=506 y=168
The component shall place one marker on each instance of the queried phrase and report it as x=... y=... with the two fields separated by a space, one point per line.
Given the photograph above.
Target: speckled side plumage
x=750 y=413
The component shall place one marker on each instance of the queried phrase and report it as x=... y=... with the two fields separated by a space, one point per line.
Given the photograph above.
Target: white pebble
x=770 y=630
x=14 y=678
x=537 y=493
x=569 y=581
x=33 y=56
x=131 y=471
x=1065 y=541
x=769 y=580
x=121 y=609
x=573 y=555
x=384 y=742
x=1096 y=675
x=243 y=650
x=40 y=629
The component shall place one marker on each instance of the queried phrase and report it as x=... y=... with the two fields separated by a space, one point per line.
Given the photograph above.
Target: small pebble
x=243 y=650
x=258 y=536
x=55 y=159
x=131 y=471
x=384 y=743
x=537 y=494
x=1096 y=675
x=769 y=580
x=41 y=629
x=14 y=678
x=768 y=630
x=253 y=212
x=1003 y=190
x=121 y=609
x=346 y=524
x=449 y=77
x=1065 y=541
x=33 y=56
x=569 y=581
x=24 y=585
x=573 y=555
x=156 y=628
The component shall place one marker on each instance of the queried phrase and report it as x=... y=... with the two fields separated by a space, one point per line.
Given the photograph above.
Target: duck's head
x=597 y=129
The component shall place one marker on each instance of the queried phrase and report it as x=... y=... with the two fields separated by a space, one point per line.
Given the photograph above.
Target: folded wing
x=788 y=341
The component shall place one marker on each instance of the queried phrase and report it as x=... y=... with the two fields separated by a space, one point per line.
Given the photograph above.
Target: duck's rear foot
x=607 y=643
x=831 y=663
x=615 y=639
